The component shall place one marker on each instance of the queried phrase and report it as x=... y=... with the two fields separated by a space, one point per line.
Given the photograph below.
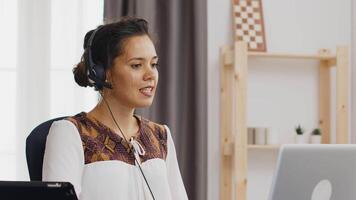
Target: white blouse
x=64 y=160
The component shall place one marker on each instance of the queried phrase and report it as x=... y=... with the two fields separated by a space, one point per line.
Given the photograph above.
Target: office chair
x=35 y=147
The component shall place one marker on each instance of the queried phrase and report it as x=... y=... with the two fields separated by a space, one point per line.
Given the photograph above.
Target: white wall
x=281 y=93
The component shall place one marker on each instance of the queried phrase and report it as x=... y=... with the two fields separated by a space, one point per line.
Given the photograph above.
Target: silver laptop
x=315 y=172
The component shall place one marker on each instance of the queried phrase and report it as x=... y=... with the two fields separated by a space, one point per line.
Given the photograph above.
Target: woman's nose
x=149 y=73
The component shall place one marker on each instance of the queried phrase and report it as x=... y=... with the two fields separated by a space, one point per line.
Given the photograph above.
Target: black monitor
x=36 y=190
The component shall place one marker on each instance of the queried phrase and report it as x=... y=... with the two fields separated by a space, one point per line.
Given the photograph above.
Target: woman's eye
x=155 y=65
x=135 y=66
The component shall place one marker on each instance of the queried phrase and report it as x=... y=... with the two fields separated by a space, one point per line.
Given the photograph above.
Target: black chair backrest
x=35 y=147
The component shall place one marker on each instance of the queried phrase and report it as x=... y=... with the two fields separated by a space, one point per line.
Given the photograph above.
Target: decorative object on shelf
x=260 y=136
x=299 y=138
x=271 y=136
x=250 y=135
x=315 y=137
x=248 y=24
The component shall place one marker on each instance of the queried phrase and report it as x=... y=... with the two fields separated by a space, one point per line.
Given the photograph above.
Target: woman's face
x=134 y=75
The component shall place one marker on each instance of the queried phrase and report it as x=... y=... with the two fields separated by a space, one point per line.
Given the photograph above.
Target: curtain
x=179 y=29
x=49 y=44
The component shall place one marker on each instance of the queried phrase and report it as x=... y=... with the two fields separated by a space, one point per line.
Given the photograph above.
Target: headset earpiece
x=96 y=72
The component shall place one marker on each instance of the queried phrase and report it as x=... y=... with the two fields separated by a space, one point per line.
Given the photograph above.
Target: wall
x=281 y=93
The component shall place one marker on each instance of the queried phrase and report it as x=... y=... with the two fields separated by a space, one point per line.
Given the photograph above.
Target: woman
x=111 y=153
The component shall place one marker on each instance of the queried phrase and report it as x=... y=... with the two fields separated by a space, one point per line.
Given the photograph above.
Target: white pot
x=300 y=139
x=271 y=136
x=260 y=136
x=315 y=139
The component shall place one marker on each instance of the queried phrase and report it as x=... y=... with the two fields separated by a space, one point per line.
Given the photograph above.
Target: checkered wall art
x=248 y=24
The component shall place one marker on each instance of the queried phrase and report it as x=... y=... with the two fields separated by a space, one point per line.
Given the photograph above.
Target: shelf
x=233 y=108
x=323 y=56
x=293 y=56
x=267 y=147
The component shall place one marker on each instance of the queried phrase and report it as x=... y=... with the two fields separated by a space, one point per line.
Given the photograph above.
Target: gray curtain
x=180 y=30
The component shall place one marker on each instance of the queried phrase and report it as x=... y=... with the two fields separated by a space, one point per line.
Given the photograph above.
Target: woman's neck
x=123 y=115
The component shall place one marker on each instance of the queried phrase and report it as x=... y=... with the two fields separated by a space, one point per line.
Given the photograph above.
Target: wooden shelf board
x=292 y=56
x=331 y=58
x=264 y=146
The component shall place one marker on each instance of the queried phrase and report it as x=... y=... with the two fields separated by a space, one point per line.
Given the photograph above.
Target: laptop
x=25 y=190
x=315 y=172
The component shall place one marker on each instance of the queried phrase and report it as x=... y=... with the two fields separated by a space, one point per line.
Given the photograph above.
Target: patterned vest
x=100 y=143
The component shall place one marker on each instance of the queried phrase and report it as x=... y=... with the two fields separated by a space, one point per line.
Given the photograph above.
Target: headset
x=96 y=72
x=97 y=78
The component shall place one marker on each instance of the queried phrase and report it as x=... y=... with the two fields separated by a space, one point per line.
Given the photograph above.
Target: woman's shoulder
x=84 y=123
x=62 y=124
x=68 y=125
x=154 y=126
x=63 y=130
x=77 y=119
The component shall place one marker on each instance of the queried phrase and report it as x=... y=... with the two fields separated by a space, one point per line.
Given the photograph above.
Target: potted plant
x=315 y=136
x=299 y=138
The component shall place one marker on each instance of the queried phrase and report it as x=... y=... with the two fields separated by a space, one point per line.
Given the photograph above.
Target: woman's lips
x=147 y=91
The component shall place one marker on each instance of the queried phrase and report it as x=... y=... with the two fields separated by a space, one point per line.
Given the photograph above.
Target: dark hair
x=107 y=44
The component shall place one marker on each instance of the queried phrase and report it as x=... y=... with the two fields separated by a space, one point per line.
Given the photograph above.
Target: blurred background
x=42 y=40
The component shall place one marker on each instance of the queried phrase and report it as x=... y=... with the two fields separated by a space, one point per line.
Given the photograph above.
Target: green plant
x=299 y=130
x=316 y=132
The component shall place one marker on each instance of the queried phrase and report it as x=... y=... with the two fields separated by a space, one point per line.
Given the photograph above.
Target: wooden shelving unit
x=266 y=147
x=233 y=98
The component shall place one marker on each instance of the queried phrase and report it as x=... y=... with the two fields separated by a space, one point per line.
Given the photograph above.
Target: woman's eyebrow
x=139 y=58
x=136 y=58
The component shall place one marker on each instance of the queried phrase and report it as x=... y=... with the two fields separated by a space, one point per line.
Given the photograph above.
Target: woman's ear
x=108 y=79
x=108 y=76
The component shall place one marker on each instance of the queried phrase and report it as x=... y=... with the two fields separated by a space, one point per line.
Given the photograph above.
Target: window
x=69 y=21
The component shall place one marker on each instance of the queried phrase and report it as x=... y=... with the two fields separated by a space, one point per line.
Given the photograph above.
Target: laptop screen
x=317 y=172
